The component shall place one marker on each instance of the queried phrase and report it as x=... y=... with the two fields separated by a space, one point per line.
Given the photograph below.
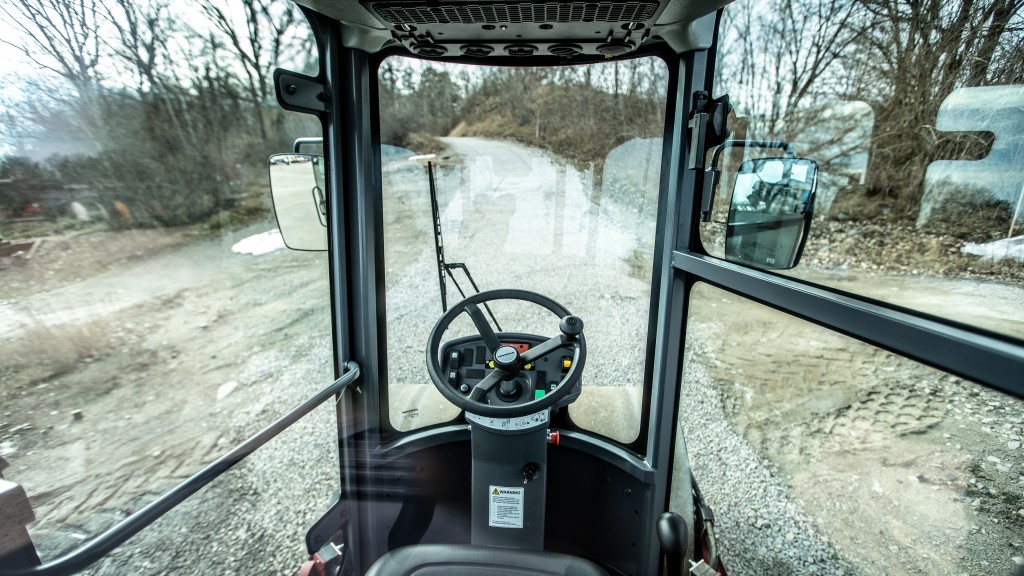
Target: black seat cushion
x=466 y=560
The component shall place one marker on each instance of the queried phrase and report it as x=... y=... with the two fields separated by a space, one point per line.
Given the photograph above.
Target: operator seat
x=468 y=560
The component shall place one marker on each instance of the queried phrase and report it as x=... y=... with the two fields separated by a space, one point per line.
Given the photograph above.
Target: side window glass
x=150 y=317
x=820 y=454
x=956 y=189
x=912 y=113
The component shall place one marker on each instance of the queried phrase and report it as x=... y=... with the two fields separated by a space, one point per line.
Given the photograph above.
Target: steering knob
x=571 y=326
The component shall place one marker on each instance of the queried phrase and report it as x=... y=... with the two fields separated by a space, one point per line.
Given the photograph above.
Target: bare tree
x=781 y=58
x=61 y=37
x=263 y=35
x=911 y=54
x=143 y=30
x=143 y=44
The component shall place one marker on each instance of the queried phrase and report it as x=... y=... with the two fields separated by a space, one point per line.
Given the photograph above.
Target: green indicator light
x=538 y=394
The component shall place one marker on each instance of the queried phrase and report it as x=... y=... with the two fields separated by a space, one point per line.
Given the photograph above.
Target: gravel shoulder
x=902 y=469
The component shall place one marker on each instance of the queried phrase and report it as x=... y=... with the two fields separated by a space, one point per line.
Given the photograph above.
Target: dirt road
x=116 y=387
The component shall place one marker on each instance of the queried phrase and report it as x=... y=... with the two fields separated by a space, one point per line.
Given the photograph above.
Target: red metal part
x=313 y=567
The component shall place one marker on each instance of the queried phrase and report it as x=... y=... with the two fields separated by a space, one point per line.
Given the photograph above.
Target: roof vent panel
x=419 y=12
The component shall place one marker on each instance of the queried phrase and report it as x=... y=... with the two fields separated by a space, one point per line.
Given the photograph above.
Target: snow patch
x=998 y=250
x=226 y=388
x=260 y=244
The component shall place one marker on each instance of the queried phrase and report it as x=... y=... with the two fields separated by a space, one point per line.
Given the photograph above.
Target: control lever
x=671 y=529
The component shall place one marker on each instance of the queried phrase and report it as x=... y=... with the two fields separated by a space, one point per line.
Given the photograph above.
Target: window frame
x=666 y=191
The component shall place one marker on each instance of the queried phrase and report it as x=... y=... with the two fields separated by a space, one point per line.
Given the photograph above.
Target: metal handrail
x=132 y=525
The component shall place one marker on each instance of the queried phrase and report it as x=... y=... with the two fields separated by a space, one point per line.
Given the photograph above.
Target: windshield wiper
x=445 y=268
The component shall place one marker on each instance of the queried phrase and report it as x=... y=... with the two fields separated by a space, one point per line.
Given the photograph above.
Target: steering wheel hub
x=507 y=358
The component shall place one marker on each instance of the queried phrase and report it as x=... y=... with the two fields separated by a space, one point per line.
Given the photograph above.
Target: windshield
x=544 y=180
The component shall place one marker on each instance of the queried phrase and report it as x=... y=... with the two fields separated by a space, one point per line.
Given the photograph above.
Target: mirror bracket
x=698 y=126
x=300 y=93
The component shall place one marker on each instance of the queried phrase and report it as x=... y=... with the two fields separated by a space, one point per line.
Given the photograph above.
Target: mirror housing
x=770 y=212
x=297 y=187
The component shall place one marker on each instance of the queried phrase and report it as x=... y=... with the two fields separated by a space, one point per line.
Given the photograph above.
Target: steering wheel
x=507 y=360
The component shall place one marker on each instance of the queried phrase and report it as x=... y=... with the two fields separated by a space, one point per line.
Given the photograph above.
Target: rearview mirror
x=300 y=203
x=770 y=212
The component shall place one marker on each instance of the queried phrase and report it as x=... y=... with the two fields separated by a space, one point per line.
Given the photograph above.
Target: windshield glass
x=544 y=180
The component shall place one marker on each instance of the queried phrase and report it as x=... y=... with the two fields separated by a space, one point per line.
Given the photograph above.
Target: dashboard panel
x=466 y=361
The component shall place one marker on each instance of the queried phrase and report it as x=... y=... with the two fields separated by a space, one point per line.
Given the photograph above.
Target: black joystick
x=671 y=529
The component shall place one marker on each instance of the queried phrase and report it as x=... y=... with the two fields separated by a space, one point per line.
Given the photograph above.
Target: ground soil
x=848 y=419
x=134 y=357
x=905 y=469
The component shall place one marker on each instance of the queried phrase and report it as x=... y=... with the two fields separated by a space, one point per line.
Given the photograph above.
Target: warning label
x=506 y=507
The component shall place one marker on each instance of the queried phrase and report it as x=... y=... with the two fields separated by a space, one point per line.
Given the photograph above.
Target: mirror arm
x=769 y=144
x=707 y=199
x=300 y=142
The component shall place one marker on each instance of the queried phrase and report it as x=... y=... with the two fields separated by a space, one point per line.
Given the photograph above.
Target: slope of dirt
x=900 y=247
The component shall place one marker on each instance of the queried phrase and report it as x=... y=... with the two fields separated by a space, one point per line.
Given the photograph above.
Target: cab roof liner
x=581 y=30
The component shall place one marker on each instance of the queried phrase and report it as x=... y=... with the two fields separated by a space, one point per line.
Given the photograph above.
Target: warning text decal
x=505 y=509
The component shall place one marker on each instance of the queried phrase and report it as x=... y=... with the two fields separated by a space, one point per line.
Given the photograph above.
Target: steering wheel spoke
x=543 y=349
x=482 y=326
x=480 y=391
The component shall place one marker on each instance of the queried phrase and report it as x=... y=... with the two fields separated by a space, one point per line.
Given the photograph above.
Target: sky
x=11 y=62
x=15 y=67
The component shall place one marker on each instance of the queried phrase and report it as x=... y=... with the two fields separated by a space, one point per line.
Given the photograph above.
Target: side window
x=914 y=122
x=820 y=454
x=150 y=318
